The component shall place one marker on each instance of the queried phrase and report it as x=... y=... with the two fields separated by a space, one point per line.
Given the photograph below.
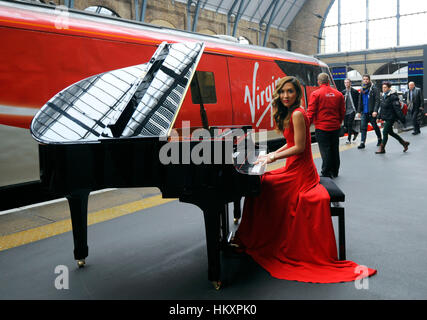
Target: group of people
x=368 y=105
x=287 y=228
x=371 y=106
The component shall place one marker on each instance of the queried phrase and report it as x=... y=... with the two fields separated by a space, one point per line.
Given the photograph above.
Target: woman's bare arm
x=299 y=137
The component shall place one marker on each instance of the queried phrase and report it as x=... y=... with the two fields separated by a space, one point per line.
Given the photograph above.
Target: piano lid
x=137 y=101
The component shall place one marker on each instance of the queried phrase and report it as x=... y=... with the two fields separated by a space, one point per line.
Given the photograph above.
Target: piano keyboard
x=248 y=167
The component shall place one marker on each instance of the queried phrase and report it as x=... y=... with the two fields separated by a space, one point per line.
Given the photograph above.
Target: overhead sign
x=339 y=73
x=415 y=69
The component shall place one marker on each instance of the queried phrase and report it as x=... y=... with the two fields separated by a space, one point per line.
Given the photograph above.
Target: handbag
x=404 y=108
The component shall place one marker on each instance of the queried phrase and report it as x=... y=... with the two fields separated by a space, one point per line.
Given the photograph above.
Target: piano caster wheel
x=236 y=221
x=81 y=263
x=217 y=284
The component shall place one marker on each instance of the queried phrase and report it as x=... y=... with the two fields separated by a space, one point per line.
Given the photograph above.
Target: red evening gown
x=288 y=229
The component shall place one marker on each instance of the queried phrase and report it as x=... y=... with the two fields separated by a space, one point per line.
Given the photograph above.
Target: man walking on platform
x=369 y=103
x=326 y=109
x=415 y=102
x=351 y=97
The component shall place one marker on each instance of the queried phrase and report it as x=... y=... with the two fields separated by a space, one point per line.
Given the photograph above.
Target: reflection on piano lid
x=137 y=101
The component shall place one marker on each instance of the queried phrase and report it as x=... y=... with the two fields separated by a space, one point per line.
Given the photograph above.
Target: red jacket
x=326 y=108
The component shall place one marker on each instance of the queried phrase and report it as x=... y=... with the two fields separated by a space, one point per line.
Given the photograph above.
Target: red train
x=45 y=50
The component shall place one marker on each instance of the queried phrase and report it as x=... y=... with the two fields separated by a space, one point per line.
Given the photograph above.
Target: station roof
x=278 y=13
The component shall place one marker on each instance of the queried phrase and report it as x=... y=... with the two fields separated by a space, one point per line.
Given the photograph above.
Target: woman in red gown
x=288 y=228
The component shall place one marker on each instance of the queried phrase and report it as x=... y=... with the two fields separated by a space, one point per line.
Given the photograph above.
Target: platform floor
x=159 y=252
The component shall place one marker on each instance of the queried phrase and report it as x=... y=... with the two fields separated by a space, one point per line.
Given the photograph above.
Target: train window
x=293 y=69
x=203 y=83
x=316 y=71
x=306 y=73
x=310 y=75
x=102 y=10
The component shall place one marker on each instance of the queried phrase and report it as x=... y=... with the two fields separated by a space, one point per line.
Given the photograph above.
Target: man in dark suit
x=369 y=103
x=415 y=102
x=351 y=97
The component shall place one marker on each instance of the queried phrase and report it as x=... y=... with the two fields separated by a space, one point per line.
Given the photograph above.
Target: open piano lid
x=133 y=102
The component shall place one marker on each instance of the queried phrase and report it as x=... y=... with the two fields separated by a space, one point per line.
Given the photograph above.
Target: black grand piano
x=115 y=130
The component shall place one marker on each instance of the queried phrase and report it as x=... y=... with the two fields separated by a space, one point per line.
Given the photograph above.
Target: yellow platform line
x=56 y=228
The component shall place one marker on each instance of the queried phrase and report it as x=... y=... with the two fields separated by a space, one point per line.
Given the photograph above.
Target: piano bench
x=337 y=210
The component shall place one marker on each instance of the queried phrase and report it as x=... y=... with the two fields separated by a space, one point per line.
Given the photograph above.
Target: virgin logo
x=258 y=99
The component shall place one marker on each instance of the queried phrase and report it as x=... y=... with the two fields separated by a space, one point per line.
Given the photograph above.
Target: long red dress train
x=288 y=228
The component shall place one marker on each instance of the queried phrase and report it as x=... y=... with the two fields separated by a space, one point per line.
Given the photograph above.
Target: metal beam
x=143 y=10
x=189 y=15
x=219 y=6
x=259 y=5
x=272 y=16
x=276 y=12
x=287 y=13
x=136 y=5
x=339 y=25
x=267 y=12
x=398 y=23
x=204 y=4
x=367 y=24
x=322 y=25
x=196 y=16
x=68 y=3
x=371 y=51
x=229 y=13
x=239 y=15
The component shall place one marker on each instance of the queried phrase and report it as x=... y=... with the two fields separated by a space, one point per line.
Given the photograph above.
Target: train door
x=209 y=90
x=252 y=86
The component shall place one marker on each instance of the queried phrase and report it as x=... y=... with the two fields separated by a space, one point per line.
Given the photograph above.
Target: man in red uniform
x=326 y=109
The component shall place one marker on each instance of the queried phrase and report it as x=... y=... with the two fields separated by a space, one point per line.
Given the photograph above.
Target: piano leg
x=212 y=227
x=237 y=211
x=78 y=202
x=225 y=229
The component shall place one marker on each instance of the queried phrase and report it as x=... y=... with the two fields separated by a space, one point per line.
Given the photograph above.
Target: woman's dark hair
x=282 y=114
x=387 y=83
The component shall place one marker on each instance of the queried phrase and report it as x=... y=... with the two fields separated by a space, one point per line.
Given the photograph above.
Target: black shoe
x=405 y=145
x=415 y=133
x=355 y=135
x=379 y=142
x=361 y=146
x=348 y=142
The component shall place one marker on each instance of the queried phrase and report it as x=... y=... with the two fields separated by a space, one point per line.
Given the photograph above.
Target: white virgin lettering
x=258 y=99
